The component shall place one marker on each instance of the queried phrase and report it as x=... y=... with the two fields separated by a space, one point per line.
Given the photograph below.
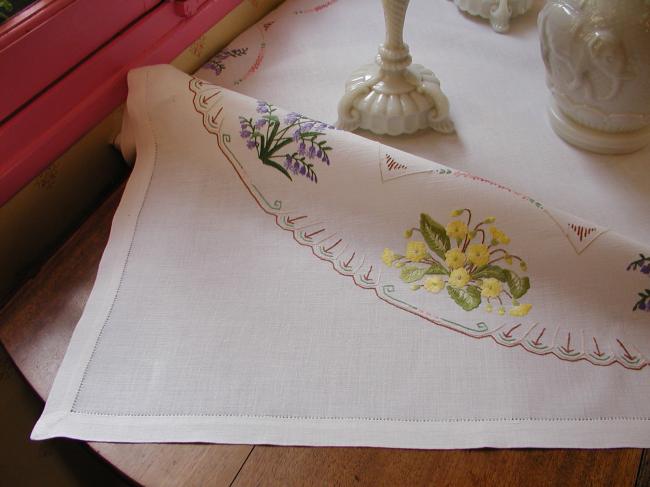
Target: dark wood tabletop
x=36 y=325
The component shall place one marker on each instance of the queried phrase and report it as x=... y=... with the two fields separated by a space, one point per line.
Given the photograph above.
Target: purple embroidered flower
x=215 y=63
x=292 y=117
x=642 y=264
x=288 y=161
x=215 y=66
x=262 y=107
x=277 y=133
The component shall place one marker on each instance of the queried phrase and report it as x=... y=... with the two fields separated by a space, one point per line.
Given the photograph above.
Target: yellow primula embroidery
x=416 y=251
x=434 y=284
x=469 y=258
x=388 y=257
x=455 y=258
x=498 y=236
x=478 y=254
x=520 y=310
x=456 y=229
x=491 y=287
x=459 y=277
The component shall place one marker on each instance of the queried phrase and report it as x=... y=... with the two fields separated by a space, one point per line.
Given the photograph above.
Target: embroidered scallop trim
x=368 y=277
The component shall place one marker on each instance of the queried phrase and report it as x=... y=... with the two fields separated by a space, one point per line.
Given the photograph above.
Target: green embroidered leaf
x=467 y=298
x=491 y=271
x=412 y=274
x=437 y=268
x=518 y=285
x=268 y=162
x=434 y=235
x=308 y=135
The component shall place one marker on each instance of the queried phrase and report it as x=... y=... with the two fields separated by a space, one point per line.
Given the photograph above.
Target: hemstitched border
x=128 y=254
x=74 y=410
x=377 y=419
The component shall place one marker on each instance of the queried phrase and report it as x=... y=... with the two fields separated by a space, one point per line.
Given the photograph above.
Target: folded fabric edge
x=66 y=385
x=443 y=434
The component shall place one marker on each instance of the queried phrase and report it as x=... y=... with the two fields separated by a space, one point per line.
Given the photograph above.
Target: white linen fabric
x=299 y=56
x=249 y=294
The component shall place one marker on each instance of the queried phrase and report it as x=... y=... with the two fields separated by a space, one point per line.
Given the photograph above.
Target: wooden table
x=36 y=326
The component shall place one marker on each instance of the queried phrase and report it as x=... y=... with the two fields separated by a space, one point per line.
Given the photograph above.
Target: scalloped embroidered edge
x=363 y=276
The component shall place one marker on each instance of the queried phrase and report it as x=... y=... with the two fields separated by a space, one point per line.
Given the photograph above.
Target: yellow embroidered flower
x=388 y=257
x=455 y=258
x=490 y=287
x=499 y=236
x=501 y=311
x=416 y=251
x=488 y=308
x=520 y=310
x=408 y=233
x=456 y=229
x=489 y=219
x=457 y=212
x=434 y=284
x=478 y=254
x=508 y=259
x=459 y=278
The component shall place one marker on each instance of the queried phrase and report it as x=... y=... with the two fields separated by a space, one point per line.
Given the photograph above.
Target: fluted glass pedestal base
x=394 y=104
x=392 y=96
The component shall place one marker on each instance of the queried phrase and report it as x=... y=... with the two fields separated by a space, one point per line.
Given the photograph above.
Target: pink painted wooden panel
x=28 y=19
x=39 y=133
x=44 y=46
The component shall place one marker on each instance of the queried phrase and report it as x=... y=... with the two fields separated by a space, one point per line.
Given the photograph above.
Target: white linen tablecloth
x=300 y=55
x=209 y=323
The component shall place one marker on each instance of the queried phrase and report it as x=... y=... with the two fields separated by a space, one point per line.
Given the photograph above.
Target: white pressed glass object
x=499 y=12
x=597 y=57
x=394 y=96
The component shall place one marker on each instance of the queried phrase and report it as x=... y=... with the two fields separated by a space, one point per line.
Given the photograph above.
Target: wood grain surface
x=36 y=325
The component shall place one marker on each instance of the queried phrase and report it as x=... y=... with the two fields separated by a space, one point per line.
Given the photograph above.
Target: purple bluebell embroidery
x=271 y=137
x=216 y=63
x=642 y=265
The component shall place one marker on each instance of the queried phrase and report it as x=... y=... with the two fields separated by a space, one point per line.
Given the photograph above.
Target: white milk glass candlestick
x=394 y=96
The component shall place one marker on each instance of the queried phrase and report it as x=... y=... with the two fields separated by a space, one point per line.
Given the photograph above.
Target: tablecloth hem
x=606 y=433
